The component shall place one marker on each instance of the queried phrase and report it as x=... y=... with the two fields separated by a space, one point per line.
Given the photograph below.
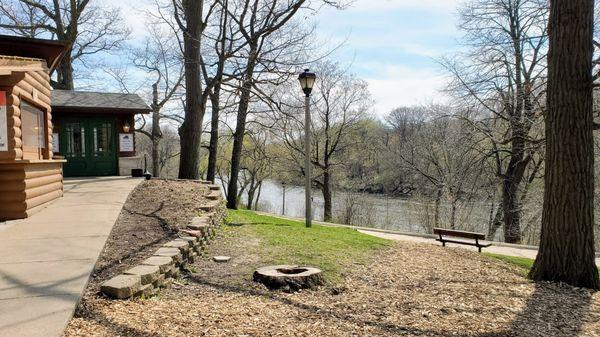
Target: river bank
x=370 y=210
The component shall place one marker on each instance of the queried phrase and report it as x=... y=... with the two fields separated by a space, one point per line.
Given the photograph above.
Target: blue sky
x=392 y=44
x=395 y=45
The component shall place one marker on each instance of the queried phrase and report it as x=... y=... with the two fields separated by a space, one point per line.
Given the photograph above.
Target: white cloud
x=391 y=84
x=380 y=5
x=134 y=14
x=403 y=86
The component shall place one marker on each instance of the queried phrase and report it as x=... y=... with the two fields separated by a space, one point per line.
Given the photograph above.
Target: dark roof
x=50 y=50
x=84 y=101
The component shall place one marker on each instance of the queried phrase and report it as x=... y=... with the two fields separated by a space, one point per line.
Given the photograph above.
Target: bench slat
x=457 y=233
x=461 y=234
x=483 y=245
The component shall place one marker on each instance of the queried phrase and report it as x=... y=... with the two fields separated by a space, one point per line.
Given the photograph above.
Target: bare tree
x=189 y=15
x=159 y=57
x=504 y=73
x=256 y=165
x=91 y=29
x=439 y=148
x=223 y=50
x=269 y=43
x=567 y=242
x=196 y=20
x=168 y=149
x=340 y=103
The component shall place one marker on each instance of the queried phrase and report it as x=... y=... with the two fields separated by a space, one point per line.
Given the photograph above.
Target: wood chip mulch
x=410 y=290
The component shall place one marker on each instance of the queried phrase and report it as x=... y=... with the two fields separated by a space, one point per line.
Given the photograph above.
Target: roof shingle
x=84 y=100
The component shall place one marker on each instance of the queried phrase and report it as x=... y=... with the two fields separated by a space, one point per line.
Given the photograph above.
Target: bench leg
x=479 y=248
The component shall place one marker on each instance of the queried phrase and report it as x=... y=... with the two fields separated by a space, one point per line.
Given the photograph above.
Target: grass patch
x=282 y=241
x=522 y=262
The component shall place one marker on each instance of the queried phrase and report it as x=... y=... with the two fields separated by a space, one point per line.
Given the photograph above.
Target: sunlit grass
x=522 y=262
x=284 y=241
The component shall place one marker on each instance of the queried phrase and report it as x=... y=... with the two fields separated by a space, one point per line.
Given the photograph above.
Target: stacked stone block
x=159 y=270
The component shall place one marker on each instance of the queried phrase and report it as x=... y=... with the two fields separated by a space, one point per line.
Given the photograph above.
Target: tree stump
x=289 y=277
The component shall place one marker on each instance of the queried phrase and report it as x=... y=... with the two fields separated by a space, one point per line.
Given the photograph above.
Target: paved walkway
x=496 y=248
x=46 y=260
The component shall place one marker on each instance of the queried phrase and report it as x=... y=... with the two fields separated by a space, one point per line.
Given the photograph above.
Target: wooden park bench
x=443 y=232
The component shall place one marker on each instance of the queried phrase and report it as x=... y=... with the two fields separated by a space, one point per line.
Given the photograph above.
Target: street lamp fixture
x=307 y=81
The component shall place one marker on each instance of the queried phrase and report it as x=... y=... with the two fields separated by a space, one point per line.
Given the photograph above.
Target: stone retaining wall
x=159 y=270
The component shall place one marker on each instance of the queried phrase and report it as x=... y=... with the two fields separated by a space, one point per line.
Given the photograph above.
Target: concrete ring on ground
x=289 y=277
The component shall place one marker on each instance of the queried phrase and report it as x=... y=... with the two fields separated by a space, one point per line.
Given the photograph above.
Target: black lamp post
x=283 y=202
x=307 y=81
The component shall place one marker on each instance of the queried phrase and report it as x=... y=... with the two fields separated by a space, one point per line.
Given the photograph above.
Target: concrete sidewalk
x=46 y=260
x=496 y=248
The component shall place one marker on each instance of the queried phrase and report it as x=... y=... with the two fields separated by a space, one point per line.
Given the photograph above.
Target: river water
x=369 y=210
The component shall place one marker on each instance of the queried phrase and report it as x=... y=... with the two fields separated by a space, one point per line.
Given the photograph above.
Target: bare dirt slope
x=152 y=215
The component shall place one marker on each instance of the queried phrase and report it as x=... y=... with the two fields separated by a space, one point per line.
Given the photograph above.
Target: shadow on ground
x=328 y=313
x=547 y=310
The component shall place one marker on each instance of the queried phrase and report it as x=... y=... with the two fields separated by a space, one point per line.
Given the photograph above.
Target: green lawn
x=283 y=241
x=522 y=262
x=333 y=249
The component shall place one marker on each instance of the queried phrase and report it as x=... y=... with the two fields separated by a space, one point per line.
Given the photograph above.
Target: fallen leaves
x=411 y=289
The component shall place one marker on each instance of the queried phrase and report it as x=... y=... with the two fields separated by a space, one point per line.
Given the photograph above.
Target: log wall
x=26 y=186
x=29 y=177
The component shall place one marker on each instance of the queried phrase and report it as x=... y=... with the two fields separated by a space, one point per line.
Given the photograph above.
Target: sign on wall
x=3 y=122
x=126 y=142
x=55 y=143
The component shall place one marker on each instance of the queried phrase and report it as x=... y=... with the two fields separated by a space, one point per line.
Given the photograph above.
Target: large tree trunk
x=156 y=133
x=236 y=153
x=453 y=210
x=258 y=196
x=251 y=190
x=240 y=131
x=242 y=190
x=495 y=221
x=327 y=197
x=64 y=73
x=191 y=130
x=214 y=134
x=566 y=251
x=511 y=203
x=438 y=202
x=250 y=198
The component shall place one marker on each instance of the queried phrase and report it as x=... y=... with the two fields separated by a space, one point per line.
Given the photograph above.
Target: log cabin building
x=30 y=176
x=45 y=133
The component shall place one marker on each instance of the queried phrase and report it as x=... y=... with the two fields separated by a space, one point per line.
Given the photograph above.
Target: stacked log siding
x=29 y=178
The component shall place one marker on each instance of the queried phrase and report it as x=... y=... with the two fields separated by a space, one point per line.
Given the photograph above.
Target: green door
x=89 y=146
